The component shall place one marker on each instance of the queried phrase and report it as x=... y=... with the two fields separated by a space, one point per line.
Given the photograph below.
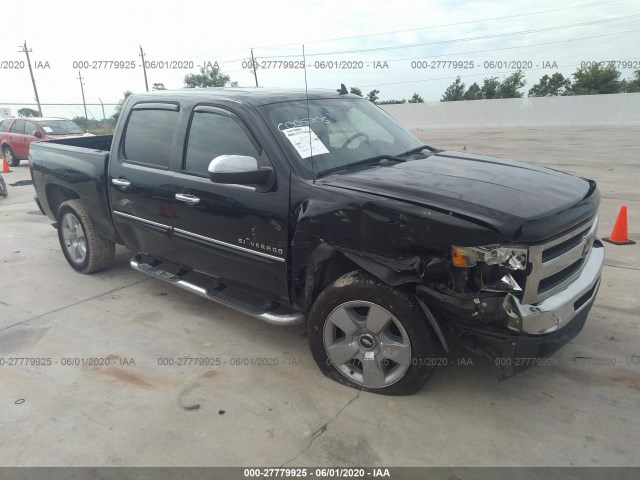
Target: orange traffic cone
x=619 y=235
x=5 y=165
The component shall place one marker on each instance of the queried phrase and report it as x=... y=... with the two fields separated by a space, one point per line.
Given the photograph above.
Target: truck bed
x=102 y=142
x=74 y=168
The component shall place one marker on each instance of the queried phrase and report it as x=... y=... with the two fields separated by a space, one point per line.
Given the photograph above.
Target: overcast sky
x=367 y=34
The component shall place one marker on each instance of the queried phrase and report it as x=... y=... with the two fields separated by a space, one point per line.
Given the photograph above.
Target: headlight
x=509 y=257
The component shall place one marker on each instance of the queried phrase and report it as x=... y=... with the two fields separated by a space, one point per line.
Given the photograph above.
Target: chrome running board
x=273 y=318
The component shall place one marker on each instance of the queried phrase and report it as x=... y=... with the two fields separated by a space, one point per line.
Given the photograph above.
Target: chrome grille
x=557 y=263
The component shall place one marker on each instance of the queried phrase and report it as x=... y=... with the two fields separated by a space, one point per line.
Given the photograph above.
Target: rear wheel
x=84 y=250
x=3 y=188
x=368 y=335
x=11 y=158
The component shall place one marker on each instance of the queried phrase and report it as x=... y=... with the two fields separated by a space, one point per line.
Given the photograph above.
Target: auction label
x=305 y=141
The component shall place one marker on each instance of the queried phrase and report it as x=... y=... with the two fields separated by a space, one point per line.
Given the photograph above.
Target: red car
x=17 y=133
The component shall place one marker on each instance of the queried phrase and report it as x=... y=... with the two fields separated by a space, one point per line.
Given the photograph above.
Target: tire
x=9 y=155
x=371 y=336
x=84 y=250
x=3 y=188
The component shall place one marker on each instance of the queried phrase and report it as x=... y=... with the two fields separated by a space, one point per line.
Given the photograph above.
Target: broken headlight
x=500 y=268
x=510 y=257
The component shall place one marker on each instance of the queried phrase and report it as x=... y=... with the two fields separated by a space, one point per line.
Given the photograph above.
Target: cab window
x=149 y=137
x=214 y=134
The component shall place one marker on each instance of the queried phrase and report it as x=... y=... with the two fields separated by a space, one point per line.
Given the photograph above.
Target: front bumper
x=558 y=310
x=517 y=336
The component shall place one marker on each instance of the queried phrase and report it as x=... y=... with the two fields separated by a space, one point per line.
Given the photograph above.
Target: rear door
x=140 y=181
x=16 y=139
x=236 y=233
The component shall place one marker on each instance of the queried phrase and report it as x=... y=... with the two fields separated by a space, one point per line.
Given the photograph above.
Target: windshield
x=334 y=133
x=60 y=127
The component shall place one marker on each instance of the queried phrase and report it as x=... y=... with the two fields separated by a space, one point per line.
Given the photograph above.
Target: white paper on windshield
x=305 y=141
x=47 y=129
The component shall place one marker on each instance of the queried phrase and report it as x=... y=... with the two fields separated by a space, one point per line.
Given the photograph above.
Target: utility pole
x=104 y=118
x=26 y=51
x=86 y=117
x=253 y=65
x=144 y=69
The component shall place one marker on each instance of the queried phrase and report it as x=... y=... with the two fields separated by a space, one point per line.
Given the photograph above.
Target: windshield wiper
x=366 y=161
x=417 y=150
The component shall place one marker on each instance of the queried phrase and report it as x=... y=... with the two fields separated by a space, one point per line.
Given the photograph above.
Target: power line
x=519 y=46
x=445 y=24
x=468 y=39
x=407 y=30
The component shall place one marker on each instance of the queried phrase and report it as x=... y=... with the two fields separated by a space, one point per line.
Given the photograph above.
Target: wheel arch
x=57 y=195
x=328 y=263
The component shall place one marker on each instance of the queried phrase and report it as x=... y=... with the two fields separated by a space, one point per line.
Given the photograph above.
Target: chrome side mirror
x=239 y=169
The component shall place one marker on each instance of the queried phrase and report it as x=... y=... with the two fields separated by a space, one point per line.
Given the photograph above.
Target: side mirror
x=238 y=169
x=37 y=134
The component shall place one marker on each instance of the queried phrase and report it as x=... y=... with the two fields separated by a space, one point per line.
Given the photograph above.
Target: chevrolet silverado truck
x=317 y=207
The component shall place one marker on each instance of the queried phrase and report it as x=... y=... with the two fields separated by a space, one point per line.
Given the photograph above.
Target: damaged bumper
x=557 y=311
x=517 y=336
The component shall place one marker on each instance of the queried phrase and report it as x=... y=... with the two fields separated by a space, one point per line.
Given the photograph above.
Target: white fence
x=584 y=110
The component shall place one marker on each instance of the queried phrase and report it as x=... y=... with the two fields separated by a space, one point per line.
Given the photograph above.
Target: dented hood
x=506 y=195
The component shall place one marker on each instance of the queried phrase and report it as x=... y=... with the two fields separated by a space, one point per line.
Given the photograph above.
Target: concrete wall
x=615 y=109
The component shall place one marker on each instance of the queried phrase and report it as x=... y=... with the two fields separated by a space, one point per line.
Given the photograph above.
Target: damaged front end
x=517 y=305
x=512 y=302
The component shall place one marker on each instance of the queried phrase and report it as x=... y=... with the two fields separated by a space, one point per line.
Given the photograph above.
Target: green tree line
x=589 y=80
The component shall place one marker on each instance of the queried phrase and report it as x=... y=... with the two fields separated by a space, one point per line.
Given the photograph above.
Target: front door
x=236 y=233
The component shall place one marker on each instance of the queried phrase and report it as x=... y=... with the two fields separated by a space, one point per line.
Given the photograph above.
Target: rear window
x=4 y=125
x=149 y=137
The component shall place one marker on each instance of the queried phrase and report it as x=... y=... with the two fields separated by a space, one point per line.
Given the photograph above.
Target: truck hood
x=505 y=195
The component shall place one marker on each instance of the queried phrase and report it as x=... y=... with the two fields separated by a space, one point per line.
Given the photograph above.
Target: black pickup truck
x=318 y=207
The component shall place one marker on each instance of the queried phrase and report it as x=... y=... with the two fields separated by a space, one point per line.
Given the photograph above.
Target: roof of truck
x=255 y=96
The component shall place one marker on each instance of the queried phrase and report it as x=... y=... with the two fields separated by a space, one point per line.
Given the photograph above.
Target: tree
x=80 y=121
x=454 y=92
x=490 y=88
x=125 y=95
x=473 y=93
x=158 y=86
x=391 y=102
x=373 y=95
x=632 y=85
x=553 y=85
x=510 y=86
x=355 y=91
x=416 y=98
x=28 y=112
x=595 y=79
x=210 y=76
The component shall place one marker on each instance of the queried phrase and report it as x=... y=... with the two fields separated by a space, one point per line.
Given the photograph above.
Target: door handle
x=121 y=182
x=188 y=199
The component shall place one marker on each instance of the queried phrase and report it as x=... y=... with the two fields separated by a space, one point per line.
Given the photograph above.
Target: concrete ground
x=138 y=412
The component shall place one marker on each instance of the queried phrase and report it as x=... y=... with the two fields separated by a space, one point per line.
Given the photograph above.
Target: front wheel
x=371 y=336
x=84 y=250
